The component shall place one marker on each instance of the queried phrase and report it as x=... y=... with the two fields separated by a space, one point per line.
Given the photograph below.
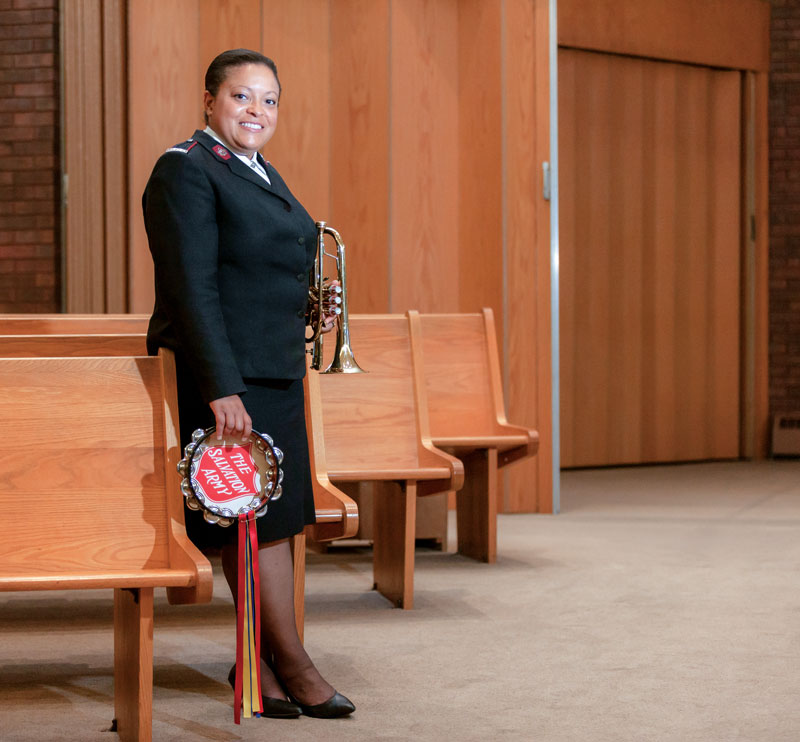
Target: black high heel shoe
x=337 y=705
x=274 y=708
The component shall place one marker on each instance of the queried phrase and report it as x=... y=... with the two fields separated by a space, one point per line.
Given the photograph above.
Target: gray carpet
x=662 y=604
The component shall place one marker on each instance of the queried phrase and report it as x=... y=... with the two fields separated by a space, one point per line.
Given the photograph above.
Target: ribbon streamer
x=247 y=692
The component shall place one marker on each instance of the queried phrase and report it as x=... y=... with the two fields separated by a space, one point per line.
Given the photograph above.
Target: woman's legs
x=280 y=642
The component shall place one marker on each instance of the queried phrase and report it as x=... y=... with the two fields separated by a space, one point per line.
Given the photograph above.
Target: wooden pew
x=73 y=324
x=375 y=429
x=89 y=484
x=62 y=346
x=124 y=334
x=467 y=417
x=337 y=514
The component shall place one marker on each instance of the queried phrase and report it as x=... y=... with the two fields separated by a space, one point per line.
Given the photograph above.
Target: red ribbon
x=256 y=586
x=248 y=618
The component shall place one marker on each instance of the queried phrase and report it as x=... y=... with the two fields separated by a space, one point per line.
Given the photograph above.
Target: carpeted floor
x=662 y=604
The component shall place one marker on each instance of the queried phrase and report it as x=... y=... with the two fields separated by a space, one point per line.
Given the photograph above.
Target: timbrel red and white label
x=227 y=476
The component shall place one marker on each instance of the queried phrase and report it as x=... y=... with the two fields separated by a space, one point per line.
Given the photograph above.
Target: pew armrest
x=337 y=514
x=75 y=580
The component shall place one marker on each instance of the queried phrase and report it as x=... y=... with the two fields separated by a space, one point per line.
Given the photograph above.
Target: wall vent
x=786 y=434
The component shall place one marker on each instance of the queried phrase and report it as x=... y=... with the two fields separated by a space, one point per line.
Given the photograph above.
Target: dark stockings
x=281 y=647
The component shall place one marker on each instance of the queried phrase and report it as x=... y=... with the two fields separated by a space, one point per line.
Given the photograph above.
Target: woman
x=232 y=249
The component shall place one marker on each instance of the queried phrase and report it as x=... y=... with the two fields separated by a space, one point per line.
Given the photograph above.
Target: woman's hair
x=218 y=69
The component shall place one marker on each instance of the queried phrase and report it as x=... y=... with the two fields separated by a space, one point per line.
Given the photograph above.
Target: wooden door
x=650 y=180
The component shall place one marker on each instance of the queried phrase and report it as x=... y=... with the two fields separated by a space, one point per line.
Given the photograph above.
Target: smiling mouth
x=251 y=126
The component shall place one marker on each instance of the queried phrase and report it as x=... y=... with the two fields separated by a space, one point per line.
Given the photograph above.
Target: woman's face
x=245 y=110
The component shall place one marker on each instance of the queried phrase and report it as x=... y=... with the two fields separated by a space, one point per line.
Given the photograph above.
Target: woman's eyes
x=267 y=101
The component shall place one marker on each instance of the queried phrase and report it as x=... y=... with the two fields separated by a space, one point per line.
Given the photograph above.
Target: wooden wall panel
x=165 y=83
x=724 y=181
x=84 y=224
x=650 y=260
x=95 y=156
x=115 y=144
x=716 y=33
x=755 y=433
x=480 y=163
x=569 y=130
x=527 y=340
x=360 y=147
x=296 y=35
x=662 y=339
x=228 y=24
x=423 y=217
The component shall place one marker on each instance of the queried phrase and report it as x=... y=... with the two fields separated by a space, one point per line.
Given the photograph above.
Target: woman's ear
x=208 y=102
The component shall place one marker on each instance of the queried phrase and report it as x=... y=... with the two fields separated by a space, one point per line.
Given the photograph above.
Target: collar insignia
x=221 y=152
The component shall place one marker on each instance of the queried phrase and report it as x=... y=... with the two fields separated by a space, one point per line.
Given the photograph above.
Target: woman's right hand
x=231 y=417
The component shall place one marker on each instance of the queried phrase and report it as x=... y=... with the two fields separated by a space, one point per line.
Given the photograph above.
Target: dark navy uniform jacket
x=232 y=255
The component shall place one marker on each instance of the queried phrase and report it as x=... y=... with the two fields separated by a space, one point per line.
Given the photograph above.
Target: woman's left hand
x=231 y=417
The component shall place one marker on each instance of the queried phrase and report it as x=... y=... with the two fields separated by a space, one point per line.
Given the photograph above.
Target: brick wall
x=29 y=156
x=784 y=194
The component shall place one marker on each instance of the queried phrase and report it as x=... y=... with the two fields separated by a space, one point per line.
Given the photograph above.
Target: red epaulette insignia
x=191 y=145
x=222 y=152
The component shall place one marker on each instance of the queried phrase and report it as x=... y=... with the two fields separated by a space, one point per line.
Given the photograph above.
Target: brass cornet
x=325 y=300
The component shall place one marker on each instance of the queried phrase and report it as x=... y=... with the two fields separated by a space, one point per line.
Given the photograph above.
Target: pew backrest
x=375 y=423
x=336 y=513
x=463 y=382
x=37 y=346
x=73 y=324
x=125 y=335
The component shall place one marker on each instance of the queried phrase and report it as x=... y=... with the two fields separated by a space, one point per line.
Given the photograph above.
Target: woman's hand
x=328 y=322
x=231 y=417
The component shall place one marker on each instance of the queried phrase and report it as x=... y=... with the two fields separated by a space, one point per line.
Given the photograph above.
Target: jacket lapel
x=238 y=168
x=278 y=187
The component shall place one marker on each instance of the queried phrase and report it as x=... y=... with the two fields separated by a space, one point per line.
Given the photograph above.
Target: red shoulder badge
x=222 y=152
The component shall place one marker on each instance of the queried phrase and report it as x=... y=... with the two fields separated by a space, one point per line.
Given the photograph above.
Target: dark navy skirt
x=277 y=408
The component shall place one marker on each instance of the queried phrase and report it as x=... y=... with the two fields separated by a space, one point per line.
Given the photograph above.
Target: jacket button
x=301 y=240
x=301 y=277
x=301 y=313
